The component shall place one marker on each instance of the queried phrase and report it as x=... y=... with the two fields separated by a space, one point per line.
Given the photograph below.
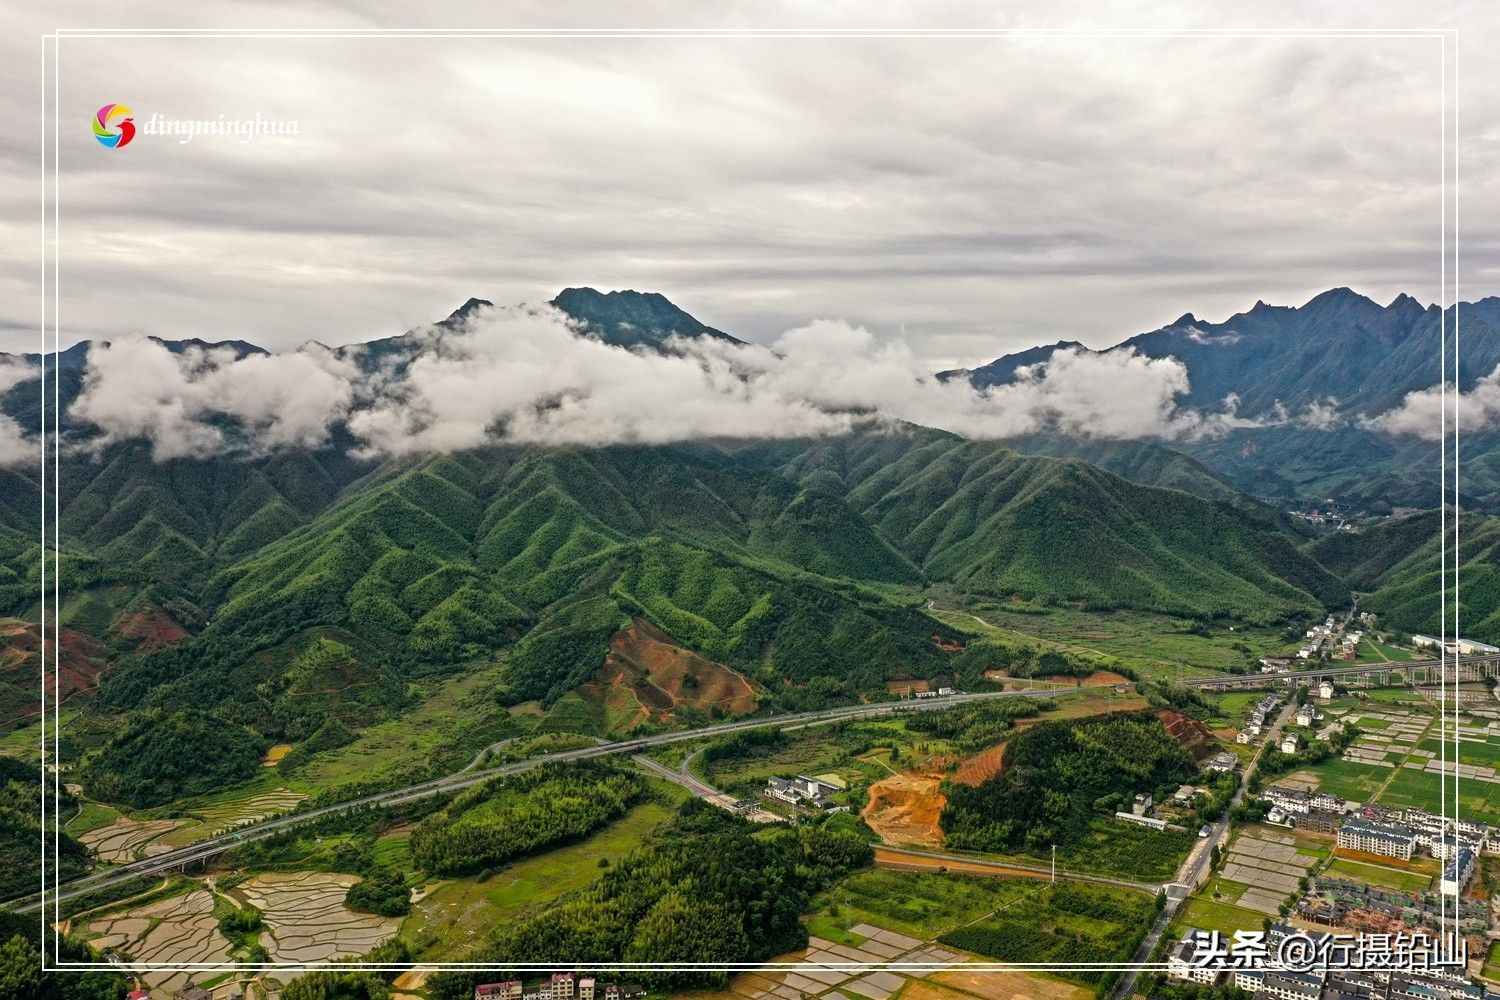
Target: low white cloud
x=16 y=446
x=180 y=402
x=1421 y=413
x=526 y=375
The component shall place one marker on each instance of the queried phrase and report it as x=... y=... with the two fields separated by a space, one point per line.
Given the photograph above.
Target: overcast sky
x=973 y=196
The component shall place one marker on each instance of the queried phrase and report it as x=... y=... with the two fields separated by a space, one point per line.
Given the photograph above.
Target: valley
x=820 y=700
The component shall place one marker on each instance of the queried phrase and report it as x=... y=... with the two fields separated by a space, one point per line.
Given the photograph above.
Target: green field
x=456 y=914
x=1154 y=645
x=91 y=816
x=1476 y=799
x=1371 y=651
x=1347 y=779
x=1378 y=875
x=1127 y=850
x=1469 y=751
x=921 y=904
x=1211 y=915
x=1491 y=970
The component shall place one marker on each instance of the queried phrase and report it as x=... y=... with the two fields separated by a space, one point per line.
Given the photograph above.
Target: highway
x=468 y=776
x=471 y=775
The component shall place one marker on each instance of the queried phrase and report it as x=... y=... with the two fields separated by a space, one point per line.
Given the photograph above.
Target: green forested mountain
x=1399 y=563
x=310 y=573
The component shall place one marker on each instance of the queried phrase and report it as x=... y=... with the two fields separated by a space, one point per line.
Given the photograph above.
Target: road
x=467 y=777
x=1196 y=862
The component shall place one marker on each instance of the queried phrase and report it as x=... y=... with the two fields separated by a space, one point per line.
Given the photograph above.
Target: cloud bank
x=528 y=375
x=1421 y=413
x=16 y=446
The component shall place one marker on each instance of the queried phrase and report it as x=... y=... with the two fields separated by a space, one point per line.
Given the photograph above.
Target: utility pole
x=1054 y=864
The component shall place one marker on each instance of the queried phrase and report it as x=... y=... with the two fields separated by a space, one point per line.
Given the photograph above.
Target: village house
x=1181 y=964
x=1141 y=805
x=1292 y=800
x=586 y=989
x=1289 y=743
x=1222 y=762
x=1325 y=690
x=510 y=989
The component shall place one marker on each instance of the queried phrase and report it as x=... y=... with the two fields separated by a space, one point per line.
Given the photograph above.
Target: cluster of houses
x=1391 y=833
x=1317 y=637
x=1256 y=720
x=559 y=986
x=816 y=792
x=1431 y=983
x=1340 y=902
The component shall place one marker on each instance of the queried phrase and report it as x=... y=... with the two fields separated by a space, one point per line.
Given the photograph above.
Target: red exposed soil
x=150 y=629
x=648 y=667
x=904 y=809
x=1192 y=735
x=1099 y=678
x=947 y=645
x=79 y=661
x=981 y=767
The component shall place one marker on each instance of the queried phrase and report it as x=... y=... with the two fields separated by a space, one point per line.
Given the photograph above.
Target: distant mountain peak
x=630 y=318
x=463 y=312
x=1186 y=319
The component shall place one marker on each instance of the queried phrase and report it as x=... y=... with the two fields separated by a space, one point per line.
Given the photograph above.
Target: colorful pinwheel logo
x=111 y=133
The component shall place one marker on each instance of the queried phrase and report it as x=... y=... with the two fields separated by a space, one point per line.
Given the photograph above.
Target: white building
x=1289 y=743
x=1389 y=839
x=1458 y=872
x=1325 y=689
x=1180 y=962
x=1141 y=806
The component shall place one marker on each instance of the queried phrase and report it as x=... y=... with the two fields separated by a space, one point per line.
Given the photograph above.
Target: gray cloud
x=976 y=195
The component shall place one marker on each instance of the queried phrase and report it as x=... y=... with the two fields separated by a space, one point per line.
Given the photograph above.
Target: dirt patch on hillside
x=79 y=659
x=1099 y=678
x=646 y=677
x=904 y=809
x=1190 y=734
x=150 y=629
x=906 y=688
x=980 y=767
x=274 y=754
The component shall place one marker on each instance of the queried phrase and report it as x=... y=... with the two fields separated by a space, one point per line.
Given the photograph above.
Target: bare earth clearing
x=904 y=809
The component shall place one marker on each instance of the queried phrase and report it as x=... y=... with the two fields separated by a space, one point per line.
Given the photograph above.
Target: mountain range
x=1313 y=376
x=796 y=563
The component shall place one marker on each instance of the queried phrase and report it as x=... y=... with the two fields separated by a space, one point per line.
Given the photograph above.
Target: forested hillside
x=1399 y=563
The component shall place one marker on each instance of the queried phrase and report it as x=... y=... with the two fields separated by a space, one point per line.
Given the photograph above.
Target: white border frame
x=53 y=42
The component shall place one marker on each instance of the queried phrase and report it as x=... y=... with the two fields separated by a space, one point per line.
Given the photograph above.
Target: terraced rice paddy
x=127 y=840
x=306 y=919
x=177 y=931
x=225 y=814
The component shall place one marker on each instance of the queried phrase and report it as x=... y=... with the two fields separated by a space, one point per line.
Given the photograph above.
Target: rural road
x=467 y=777
x=911 y=859
x=1194 y=864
